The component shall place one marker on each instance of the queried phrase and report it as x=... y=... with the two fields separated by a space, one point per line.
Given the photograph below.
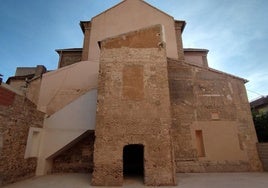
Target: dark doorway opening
x=133 y=160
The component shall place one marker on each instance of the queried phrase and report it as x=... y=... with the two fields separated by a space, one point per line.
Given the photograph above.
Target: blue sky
x=234 y=31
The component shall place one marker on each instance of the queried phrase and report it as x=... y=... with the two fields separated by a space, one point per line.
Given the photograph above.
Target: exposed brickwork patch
x=6 y=97
x=146 y=38
x=78 y=158
x=15 y=121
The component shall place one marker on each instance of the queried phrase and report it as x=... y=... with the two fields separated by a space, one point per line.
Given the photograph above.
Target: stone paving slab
x=185 y=180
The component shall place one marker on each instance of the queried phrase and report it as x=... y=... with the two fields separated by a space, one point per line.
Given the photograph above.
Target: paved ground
x=195 y=180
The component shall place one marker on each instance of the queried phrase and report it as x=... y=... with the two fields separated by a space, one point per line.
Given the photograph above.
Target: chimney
x=39 y=70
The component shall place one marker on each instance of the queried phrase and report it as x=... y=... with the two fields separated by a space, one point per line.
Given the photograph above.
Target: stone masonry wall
x=69 y=58
x=205 y=97
x=182 y=100
x=133 y=108
x=78 y=159
x=263 y=152
x=17 y=115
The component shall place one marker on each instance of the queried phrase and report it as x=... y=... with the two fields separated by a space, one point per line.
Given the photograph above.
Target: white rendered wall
x=66 y=125
x=128 y=16
x=60 y=87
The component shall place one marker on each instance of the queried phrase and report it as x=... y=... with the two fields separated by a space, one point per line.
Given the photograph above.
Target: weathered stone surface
x=203 y=95
x=79 y=158
x=133 y=82
x=182 y=115
x=133 y=108
x=197 y=166
x=69 y=57
x=6 y=97
x=144 y=38
x=15 y=120
x=33 y=90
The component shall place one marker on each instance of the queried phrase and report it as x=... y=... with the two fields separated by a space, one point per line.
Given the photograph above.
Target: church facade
x=134 y=101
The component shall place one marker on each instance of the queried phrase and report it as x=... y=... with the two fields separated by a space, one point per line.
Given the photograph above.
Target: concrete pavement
x=185 y=180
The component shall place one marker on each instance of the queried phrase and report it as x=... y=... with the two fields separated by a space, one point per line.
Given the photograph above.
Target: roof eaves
x=227 y=74
x=82 y=25
x=259 y=102
x=195 y=50
x=69 y=50
x=183 y=24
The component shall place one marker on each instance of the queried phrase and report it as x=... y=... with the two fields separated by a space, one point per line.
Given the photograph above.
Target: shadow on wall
x=78 y=158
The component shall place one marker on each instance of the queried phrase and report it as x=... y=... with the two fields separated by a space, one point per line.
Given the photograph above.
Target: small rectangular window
x=200 y=143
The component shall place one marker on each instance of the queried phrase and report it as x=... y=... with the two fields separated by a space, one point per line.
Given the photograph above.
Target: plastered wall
x=215 y=103
x=62 y=86
x=128 y=16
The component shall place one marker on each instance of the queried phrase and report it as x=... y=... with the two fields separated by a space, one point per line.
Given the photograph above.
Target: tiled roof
x=259 y=102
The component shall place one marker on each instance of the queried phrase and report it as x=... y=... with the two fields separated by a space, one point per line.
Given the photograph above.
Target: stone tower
x=133 y=112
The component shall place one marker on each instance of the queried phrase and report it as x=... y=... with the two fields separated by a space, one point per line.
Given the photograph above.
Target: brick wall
x=133 y=108
x=79 y=158
x=69 y=58
x=6 y=97
x=17 y=115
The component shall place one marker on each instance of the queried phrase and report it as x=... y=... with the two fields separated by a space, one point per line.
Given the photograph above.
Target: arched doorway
x=133 y=160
